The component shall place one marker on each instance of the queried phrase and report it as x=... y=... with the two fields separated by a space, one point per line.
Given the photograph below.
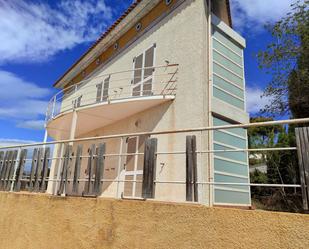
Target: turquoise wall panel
x=238 y=131
x=228 y=139
x=228 y=64
x=218 y=93
x=232 y=197
x=230 y=167
x=231 y=179
x=228 y=86
x=228 y=75
x=227 y=52
x=238 y=156
x=227 y=41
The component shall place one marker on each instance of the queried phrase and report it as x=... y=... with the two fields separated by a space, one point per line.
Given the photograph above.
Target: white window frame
x=142 y=82
x=134 y=172
x=102 y=84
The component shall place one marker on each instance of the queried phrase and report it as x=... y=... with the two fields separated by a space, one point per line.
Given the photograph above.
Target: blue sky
x=39 y=40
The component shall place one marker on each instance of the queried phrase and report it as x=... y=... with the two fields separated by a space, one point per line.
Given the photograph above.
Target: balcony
x=105 y=99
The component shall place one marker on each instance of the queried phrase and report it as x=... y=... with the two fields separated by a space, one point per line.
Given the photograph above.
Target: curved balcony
x=108 y=98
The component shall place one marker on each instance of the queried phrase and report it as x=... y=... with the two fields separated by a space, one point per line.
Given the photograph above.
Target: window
x=77 y=102
x=102 y=90
x=99 y=92
x=143 y=73
x=105 y=89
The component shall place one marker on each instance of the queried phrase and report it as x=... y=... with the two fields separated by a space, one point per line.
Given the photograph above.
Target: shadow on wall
x=114 y=164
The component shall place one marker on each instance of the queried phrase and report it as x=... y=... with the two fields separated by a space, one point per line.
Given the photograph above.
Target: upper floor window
x=77 y=102
x=102 y=90
x=143 y=72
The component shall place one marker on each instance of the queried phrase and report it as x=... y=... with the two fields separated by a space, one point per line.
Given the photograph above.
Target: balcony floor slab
x=92 y=117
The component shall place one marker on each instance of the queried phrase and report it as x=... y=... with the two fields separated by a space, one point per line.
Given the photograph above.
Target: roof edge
x=102 y=36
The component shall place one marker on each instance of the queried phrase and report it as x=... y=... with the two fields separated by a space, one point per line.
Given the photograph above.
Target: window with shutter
x=102 y=90
x=105 y=89
x=143 y=73
x=99 y=92
x=77 y=102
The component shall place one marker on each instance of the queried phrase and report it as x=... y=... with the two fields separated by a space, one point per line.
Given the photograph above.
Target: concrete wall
x=41 y=221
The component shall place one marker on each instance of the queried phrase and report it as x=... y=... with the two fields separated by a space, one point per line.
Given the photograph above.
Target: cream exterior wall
x=181 y=38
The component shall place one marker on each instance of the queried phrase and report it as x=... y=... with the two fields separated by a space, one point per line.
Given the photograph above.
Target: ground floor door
x=134 y=167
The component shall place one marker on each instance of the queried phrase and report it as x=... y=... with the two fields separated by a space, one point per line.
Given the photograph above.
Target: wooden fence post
x=64 y=173
x=33 y=169
x=1 y=161
x=78 y=160
x=4 y=168
x=45 y=169
x=10 y=171
x=302 y=140
x=20 y=170
x=149 y=171
x=191 y=169
x=38 y=171
x=99 y=169
x=91 y=158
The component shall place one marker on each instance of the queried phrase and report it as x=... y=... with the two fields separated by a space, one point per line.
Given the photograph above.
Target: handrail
x=118 y=72
x=56 y=107
x=186 y=130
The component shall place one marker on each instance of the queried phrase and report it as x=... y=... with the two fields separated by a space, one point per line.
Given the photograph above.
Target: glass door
x=134 y=167
x=143 y=73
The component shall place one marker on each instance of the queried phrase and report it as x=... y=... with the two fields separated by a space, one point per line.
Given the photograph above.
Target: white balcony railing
x=105 y=88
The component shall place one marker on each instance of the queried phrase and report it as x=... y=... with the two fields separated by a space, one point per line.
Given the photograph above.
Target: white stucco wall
x=181 y=38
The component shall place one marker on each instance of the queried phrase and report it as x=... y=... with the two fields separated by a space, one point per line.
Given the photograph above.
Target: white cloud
x=255 y=101
x=11 y=83
x=36 y=31
x=254 y=14
x=32 y=124
x=22 y=101
x=13 y=142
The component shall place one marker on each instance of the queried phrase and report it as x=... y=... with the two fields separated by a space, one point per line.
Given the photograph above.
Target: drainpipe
x=210 y=88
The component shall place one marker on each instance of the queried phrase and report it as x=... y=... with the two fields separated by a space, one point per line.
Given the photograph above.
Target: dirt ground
x=37 y=221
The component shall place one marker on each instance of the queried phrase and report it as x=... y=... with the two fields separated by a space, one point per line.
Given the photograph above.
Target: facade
x=164 y=65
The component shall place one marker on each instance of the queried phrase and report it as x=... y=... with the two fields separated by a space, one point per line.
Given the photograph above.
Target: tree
x=261 y=136
x=287 y=59
x=282 y=167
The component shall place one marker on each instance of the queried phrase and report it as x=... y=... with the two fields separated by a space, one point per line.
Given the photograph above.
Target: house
x=164 y=65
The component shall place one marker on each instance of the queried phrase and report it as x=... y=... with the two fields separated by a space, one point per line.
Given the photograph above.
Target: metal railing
x=42 y=168
x=120 y=85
